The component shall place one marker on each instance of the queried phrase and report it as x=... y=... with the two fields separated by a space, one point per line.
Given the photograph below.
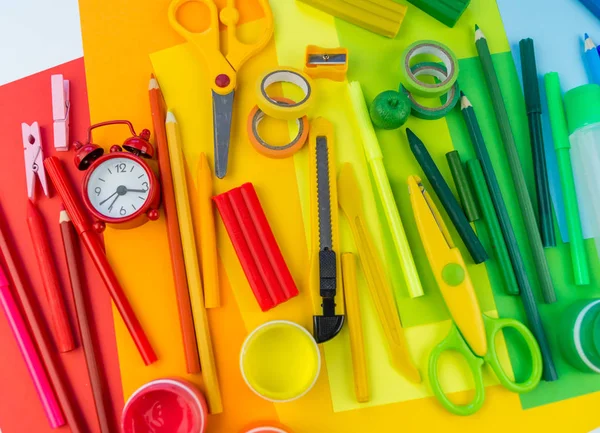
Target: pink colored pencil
x=30 y=355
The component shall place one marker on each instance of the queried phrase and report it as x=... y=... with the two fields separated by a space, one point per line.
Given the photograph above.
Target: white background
x=36 y=35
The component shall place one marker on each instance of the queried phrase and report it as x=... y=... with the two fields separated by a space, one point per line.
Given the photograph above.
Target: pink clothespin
x=60 y=111
x=34 y=158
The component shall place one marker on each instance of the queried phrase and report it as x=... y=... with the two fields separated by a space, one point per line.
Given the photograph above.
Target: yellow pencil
x=208 y=238
x=188 y=242
x=357 y=343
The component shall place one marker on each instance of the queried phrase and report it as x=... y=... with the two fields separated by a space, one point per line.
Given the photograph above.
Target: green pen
x=382 y=183
x=562 y=145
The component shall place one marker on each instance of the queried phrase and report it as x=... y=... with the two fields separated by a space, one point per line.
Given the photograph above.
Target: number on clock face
x=118 y=187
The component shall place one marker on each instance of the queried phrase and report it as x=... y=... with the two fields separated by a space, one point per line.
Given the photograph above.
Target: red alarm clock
x=120 y=189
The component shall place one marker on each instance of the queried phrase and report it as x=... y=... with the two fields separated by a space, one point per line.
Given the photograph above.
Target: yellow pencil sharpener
x=330 y=63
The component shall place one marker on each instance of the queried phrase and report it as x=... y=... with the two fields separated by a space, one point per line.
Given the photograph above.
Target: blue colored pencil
x=592 y=60
x=593 y=6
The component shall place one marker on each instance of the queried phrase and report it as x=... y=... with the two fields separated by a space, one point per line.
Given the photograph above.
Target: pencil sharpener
x=330 y=63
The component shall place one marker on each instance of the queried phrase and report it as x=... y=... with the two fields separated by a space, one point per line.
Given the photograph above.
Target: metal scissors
x=34 y=158
x=222 y=67
x=472 y=334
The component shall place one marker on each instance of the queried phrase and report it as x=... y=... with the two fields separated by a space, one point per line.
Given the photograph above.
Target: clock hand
x=113 y=202
x=108 y=198
x=137 y=190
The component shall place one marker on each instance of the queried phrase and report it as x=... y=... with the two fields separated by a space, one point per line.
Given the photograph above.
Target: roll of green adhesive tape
x=410 y=79
x=579 y=335
x=449 y=100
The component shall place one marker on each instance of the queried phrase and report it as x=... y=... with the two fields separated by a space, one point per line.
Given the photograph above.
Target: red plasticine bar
x=257 y=249
x=255 y=246
x=242 y=250
x=269 y=242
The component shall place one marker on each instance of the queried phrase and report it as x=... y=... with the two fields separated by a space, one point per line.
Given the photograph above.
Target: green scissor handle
x=455 y=342
x=493 y=327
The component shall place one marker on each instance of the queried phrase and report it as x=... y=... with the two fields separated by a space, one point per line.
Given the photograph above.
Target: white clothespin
x=60 y=111
x=34 y=158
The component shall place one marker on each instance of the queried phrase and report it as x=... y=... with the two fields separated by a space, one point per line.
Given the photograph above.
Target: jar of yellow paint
x=280 y=361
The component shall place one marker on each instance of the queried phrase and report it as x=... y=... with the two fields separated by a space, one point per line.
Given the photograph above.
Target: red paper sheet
x=29 y=100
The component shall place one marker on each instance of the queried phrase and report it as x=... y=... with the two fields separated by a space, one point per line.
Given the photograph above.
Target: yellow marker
x=350 y=201
x=357 y=344
x=448 y=268
x=208 y=238
x=190 y=257
x=382 y=184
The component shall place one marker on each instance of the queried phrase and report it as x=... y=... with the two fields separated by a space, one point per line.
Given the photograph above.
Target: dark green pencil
x=534 y=117
x=535 y=240
x=531 y=309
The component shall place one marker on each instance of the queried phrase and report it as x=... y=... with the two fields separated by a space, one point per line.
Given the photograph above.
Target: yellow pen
x=375 y=159
x=192 y=270
x=448 y=268
x=350 y=201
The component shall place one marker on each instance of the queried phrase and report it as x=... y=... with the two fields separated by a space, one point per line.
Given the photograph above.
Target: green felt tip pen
x=562 y=145
x=382 y=183
x=534 y=117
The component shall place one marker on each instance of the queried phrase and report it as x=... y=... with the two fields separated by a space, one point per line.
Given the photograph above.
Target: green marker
x=562 y=145
x=534 y=117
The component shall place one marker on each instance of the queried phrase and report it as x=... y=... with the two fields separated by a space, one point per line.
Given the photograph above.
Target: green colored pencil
x=516 y=169
x=531 y=309
x=493 y=225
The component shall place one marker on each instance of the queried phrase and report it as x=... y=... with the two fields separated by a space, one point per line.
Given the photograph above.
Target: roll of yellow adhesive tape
x=282 y=110
x=272 y=151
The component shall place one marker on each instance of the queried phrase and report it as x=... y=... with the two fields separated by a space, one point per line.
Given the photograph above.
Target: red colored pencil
x=186 y=320
x=73 y=256
x=58 y=310
x=92 y=243
x=64 y=394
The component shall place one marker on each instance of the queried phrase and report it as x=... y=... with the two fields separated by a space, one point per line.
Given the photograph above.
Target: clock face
x=118 y=187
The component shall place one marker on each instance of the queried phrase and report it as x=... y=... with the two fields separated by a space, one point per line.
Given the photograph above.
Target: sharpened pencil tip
x=462 y=94
x=586 y=36
x=63 y=217
x=171 y=118
x=476 y=27
x=153 y=84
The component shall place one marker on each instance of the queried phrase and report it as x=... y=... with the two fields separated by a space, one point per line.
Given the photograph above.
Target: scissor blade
x=222 y=114
x=327 y=59
x=437 y=216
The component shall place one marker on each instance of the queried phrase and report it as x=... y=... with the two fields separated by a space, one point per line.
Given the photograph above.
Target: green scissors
x=473 y=334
